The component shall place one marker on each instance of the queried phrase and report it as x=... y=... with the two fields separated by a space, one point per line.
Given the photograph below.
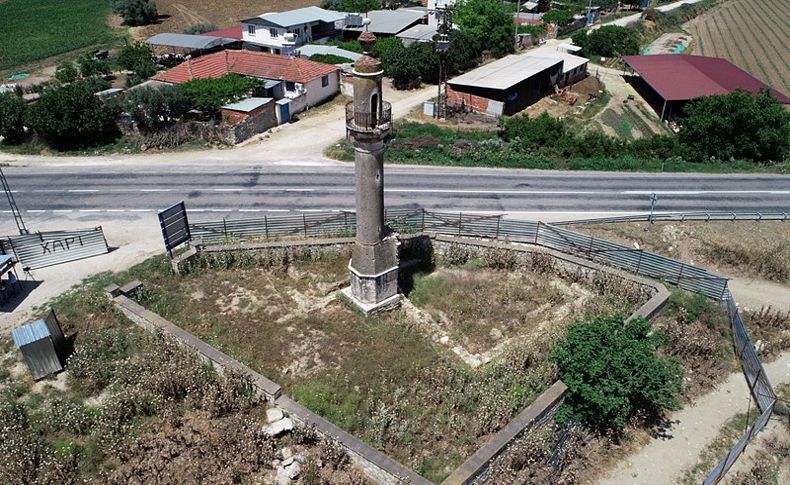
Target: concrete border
x=374 y=464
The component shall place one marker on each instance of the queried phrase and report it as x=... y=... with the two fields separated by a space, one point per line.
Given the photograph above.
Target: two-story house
x=284 y=32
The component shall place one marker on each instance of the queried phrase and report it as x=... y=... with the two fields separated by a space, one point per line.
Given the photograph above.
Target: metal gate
x=42 y=249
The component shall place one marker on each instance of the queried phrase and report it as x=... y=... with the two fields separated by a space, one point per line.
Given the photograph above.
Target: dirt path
x=663 y=460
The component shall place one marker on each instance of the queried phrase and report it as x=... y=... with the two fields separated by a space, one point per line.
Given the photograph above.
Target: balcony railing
x=367 y=121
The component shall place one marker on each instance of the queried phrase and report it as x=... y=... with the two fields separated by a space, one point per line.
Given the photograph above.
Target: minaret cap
x=367 y=64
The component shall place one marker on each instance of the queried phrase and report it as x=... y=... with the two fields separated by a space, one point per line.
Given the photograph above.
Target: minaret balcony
x=368 y=121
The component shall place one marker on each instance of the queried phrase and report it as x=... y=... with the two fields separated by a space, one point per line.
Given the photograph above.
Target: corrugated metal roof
x=389 y=22
x=297 y=17
x=30 y=333
x=188 y=41
x=569 y=61
x=6 y=263
x=313 y=49
x=681 y=77
x=230 y=33
x=247 y=105
x=418 y=32
x=506 y=72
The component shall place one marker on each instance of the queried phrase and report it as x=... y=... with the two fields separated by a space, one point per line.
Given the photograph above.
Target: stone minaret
x=374 y=261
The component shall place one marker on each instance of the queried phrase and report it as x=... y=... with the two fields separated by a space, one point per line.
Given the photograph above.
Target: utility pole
x=20 y=224
x=442 y=46
x=516 y=25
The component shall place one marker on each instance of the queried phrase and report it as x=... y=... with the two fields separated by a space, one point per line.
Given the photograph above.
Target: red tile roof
x=247 y=63
x=230 y=33
x=679 y=77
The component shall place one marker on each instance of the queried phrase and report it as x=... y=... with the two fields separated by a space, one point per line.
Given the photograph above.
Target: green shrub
x=66 y=72
x=202 y=28
x=136 y=12
x=155 y=107
x=12 y=110
x=89 y=66
x=330 y=59
x=613 y=371
x=209 y=95
x=608 y=41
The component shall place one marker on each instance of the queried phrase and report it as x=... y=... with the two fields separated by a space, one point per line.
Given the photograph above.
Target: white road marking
x=155 y=190
x=90 y=210
x=36 y=211
x=62 y=211
x=83 y=190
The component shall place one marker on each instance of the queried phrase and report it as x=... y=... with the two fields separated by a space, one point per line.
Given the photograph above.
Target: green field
x=31 y=30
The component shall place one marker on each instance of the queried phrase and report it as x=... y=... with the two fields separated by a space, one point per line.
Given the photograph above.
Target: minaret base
x=373 y=293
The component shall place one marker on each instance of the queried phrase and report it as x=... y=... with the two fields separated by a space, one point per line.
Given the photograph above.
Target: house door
x=374 y=110
x=285 y=113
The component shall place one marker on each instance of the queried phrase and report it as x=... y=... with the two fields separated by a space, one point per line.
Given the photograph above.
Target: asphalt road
x=250 y=190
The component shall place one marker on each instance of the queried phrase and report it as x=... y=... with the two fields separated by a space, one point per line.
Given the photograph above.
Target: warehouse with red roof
x=305 y=83
x=669 y=81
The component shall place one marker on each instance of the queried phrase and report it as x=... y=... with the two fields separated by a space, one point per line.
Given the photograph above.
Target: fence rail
x=633 y=260
x=42 y=249
x=684 y=216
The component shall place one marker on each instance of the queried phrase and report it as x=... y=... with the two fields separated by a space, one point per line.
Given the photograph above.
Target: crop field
x=31 y=30
x=755 y=36
x=177 y=15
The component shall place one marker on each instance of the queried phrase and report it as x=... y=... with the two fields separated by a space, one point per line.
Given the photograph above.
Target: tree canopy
x=137 y=57
x=738 y=125
x=136 y=12
x=209 y=95
x=72 y=116
x=612 y=370
x=488 y=22
x=12 y=109
x=608 y=41
x=155 y=107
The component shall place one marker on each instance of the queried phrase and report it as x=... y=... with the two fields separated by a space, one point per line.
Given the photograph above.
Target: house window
x=325 y=81
x=251 y=29
x=290 y=86
x=305 y=29
x=273 y=33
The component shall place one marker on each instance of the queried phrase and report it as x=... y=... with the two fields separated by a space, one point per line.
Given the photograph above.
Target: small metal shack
x=43 y=346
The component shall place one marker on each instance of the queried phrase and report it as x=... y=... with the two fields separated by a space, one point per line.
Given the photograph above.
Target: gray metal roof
x=313 y=49
x=418 y=32
x=299 y=16
x=389 y=22
x=188 y=41
x=32 y=332
x=247 y=105
x=569 y=61
x=505 y=72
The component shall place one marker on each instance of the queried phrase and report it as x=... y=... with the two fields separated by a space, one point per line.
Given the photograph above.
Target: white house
x=284 y=32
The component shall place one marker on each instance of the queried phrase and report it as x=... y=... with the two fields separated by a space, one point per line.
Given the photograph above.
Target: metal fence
x=685 y=216
x=42 y=249
x=633 y=260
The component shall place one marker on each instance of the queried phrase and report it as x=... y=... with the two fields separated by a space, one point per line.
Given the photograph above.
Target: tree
x=612 y=370
x=12 y=110
x=136 y=12
x=608 y=41
x=488 y=22
x=66 y=72
x=330 y=59
x=208 y=95
x=137 y=57
x=155 y=107
x=360 y=6
x=738 y=125
x=531 y=133
x=71 y=116
x=89 y=66
x=402 y=68
x=559 y=17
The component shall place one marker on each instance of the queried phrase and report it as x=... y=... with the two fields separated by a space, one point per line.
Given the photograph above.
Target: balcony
x=368 y=122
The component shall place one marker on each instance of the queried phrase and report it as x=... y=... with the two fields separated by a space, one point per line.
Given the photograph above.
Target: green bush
x=613 y=371
x=196 y=29
x=154 y=107
x=330 y=59
x=488 y=22
x=559 y=17
x=136 y=12
x=608 y=41
x=12 y=110
x=738 y=125
x=66 y=72
x=89 y=66
x=72 y=116
x=209 y=95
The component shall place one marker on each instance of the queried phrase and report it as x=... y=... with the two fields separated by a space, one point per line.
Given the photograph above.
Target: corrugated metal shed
x=389 y=22
x=569 y=61
x=188 y=41
x=298 y=16
x=505 y=72
x=42 y=345
x=247 y=105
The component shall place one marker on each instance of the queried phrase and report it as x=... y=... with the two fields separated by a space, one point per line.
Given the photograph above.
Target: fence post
x=423 y=220
x=225 y=229
x=266 y=226
x=680 y=275
x=498 y=221
x=537 y=230
x=639 y=262
x=460 y=222
x=589 y=250
x=345 y=221
x=304 y=222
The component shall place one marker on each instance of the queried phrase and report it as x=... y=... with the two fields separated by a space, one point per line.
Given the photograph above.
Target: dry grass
x=744 y=248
